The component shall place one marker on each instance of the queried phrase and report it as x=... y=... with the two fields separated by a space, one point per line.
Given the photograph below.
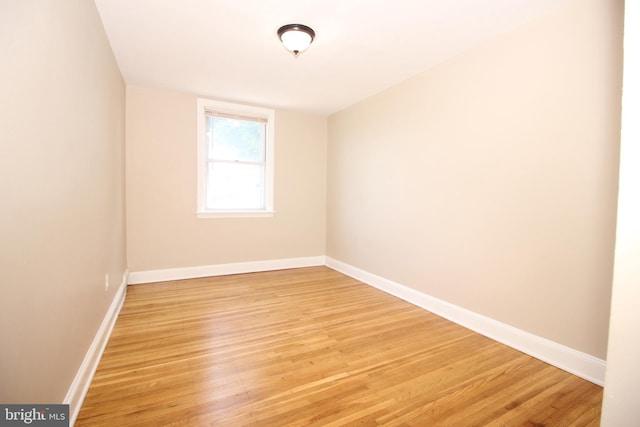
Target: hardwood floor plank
x=311 y=346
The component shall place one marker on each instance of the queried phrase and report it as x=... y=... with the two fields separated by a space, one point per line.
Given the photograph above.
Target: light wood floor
x=314 y=347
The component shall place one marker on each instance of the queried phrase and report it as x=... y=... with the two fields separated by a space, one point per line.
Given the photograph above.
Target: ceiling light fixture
x=296 y=37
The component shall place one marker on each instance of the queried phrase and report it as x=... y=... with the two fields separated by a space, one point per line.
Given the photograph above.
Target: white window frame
x=205 y=105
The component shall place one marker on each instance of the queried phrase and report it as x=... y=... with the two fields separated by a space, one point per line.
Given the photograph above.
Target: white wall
x=622 y=382
x=62 y=192
x=490 y=181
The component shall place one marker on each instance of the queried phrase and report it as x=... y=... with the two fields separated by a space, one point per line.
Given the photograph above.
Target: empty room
x=291 y=213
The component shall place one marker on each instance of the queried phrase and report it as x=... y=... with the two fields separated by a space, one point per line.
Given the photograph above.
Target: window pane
x=235 y=139
x=235 y=186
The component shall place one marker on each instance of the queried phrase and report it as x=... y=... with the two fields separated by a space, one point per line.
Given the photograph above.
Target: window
x=235 y=160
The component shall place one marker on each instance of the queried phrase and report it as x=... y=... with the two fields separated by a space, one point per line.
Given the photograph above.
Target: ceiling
x=228 y=49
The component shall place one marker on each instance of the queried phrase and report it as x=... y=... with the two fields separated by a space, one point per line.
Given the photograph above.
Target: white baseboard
x=80 y=385
x=138 y=277
x=578 y=363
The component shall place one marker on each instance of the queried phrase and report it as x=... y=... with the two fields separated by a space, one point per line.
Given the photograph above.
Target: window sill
x=235 y=214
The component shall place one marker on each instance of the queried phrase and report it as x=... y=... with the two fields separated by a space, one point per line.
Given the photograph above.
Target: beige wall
x=163 y=231
x=490 y=180
x=62 y=191
x=622 y=383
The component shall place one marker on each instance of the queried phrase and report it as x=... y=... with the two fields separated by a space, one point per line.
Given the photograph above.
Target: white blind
x=234 y=116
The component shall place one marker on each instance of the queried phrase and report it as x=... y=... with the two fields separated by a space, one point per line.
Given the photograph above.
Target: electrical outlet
x=106 y=282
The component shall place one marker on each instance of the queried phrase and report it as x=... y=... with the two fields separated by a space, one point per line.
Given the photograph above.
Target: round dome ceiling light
x=296 y=37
